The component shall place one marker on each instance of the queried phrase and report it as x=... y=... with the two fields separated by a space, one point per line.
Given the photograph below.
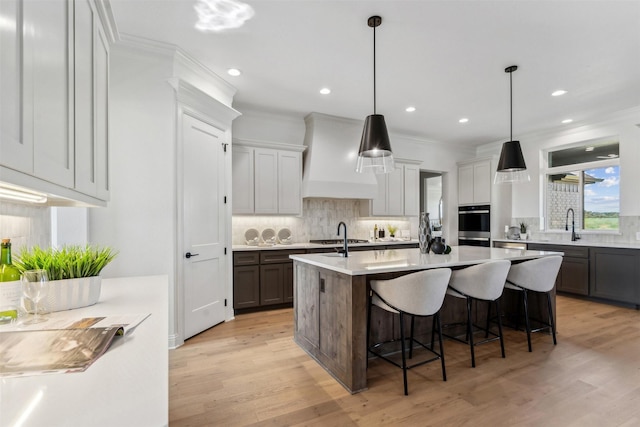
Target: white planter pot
x=69 y=294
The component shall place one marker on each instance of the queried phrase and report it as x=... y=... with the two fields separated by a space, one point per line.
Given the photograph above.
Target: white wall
x=527 y=197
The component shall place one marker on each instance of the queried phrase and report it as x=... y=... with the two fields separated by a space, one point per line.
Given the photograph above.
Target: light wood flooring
x=250 y=372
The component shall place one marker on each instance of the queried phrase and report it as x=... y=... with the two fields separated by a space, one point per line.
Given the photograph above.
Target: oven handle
x=472 y=212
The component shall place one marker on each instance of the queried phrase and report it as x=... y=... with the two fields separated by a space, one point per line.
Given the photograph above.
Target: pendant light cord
x=374 y=70
x=511 y=106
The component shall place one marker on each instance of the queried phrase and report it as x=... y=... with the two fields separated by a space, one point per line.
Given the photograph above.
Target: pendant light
x=375 y=153
x=511 y=166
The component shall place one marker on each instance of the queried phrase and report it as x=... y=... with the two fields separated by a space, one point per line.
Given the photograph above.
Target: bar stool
x=537 y=275
x=416 y=294
x=483 y=282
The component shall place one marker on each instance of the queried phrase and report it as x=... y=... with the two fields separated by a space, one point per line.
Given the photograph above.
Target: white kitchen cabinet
x=53 y=98
x=267 y=180
x=398 y=192
x=474 y=182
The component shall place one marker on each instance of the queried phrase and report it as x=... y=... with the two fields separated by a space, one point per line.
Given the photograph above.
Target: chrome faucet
x=345 y=250
x=573 y=225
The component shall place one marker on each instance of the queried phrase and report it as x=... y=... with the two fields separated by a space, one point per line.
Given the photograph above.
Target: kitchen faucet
x=573 y=225
x=345 y=250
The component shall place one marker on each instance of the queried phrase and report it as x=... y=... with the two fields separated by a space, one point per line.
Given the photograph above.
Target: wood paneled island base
x=330 y=301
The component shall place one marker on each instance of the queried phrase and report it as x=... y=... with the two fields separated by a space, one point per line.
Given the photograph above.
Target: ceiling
x=445 y=58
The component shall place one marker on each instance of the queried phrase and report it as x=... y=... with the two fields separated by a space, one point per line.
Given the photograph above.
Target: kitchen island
x=330 y=299
x=126 y=386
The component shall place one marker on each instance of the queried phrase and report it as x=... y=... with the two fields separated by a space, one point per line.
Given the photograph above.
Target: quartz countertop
x=127 y=386
x=394 y=260
x=576 y=243
x=399 y=242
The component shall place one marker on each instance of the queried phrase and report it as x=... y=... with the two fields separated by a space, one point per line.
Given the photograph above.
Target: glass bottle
x=10 y=286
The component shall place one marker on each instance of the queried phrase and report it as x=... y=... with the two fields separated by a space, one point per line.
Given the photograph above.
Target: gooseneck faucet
x=345 y=250
x=573 y=224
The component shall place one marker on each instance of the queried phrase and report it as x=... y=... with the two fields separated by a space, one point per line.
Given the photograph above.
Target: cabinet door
x=465 y=184
x=615 y=274
x=411 y=190
x=266 y=181
x=289 y=182
x=15 y=148
x=379 y=203
x=48 y=53
x=574 y=276
x=243 y=189
x=246 y=287
x=101 y=74
x=85 y=146
x=395 y=191
x=271 y=284
x=482 y=182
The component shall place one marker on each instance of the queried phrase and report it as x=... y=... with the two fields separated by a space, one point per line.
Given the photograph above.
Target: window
x=585 y=179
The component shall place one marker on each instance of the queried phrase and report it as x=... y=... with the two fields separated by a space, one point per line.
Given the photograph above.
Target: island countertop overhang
x=397 y=260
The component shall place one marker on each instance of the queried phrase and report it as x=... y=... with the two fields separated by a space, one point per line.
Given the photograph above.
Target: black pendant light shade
x=375 y=153
x=511 y=166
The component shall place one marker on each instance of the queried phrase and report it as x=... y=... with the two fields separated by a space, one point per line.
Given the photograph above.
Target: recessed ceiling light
x=565 y=121
x=234 y=72
x=559 y=92
x=410 y=109
x=589 y=149
x=325 y=91
x=463 y=120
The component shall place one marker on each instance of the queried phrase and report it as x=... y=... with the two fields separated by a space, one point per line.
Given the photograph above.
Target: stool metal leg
x=404 y=357
x=500 y=327
x=552 y=323
x=470 y=333
x=526 y=317
x=437 y=319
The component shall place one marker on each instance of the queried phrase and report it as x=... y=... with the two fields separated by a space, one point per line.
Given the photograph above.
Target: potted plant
x=74 y=273
x=523 y=231
x=392 y=230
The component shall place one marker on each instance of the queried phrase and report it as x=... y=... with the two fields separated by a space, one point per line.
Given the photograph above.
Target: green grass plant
x=67 y=262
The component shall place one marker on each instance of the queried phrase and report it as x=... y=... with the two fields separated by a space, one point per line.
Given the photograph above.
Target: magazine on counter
x=61 y=344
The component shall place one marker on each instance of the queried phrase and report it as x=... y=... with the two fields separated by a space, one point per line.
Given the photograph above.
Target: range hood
x=330 y=159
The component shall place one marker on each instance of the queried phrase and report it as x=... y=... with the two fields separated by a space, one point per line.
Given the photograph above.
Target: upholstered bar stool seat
x=484 y=282
x=415 y=294
x=537 y=275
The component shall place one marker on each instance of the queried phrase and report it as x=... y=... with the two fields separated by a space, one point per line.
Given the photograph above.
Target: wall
x=435 y=156
x=25 y=224
x=527 y=198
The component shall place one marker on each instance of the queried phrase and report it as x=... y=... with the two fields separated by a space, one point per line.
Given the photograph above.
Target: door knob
x=189 y=255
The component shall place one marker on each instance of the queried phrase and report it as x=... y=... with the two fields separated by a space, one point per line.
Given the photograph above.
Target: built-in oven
x=474 y=225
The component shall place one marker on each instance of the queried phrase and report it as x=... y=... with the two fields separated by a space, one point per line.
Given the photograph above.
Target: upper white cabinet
x=398 y=192
x=267 y=180
x=474 y=182
x=54 y=98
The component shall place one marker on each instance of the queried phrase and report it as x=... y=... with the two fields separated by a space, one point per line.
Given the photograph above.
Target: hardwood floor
x=250 y=372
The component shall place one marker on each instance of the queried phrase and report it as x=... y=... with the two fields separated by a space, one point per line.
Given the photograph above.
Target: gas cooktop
x=337 y=241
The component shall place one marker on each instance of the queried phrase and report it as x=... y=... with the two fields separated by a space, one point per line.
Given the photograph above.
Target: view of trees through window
x=584 y=179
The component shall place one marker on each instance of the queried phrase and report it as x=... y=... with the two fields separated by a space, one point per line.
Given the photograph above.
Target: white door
x=204 y=225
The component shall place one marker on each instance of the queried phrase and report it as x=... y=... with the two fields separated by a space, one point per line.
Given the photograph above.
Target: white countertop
x=399 y=242
x=394 y=260
x=576 y=243
x=126 y=386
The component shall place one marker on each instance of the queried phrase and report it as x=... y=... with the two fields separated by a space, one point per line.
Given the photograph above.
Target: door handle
x=189 y=255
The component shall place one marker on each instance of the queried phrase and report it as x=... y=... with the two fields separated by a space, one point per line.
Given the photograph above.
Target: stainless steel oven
x=474 y=225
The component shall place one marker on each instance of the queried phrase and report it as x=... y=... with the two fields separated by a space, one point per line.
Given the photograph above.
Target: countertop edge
x=577 y=243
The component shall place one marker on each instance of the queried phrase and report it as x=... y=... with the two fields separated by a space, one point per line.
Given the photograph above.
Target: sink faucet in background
x=345 y=249
x=573 y=225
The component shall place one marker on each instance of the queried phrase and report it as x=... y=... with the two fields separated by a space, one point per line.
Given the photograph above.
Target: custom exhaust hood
x=330 y=159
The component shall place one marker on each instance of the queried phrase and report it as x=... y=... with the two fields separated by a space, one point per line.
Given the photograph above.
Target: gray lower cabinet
x=246 y=280
x=574 y=272
x=615 y=274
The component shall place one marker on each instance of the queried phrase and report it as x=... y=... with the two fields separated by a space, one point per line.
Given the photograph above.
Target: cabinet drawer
x=246 y=258
x=272 y=257
x=569 y=251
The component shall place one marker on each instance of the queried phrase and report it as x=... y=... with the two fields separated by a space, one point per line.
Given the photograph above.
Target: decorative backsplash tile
x=25 y=225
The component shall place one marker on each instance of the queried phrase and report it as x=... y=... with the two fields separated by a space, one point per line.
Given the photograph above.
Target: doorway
x=431 y=199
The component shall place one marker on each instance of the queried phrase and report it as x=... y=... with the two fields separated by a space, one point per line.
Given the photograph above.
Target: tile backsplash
x=25 y=225
x=319 y=220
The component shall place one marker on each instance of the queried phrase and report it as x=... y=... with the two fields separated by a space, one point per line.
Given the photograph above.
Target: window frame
x=576 y=167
